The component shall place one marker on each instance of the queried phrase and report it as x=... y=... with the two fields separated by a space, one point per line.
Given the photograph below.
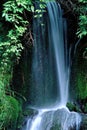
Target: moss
x=84 y=122
x=81 y=86
x=85 y=109
x=55 y=127
x=29 y=112
x=9 y=111
x=73 y=107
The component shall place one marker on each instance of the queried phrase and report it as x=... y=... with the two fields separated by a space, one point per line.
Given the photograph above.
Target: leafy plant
x=9 y=111
x=13 y=13
x=81 y=86
x=82 y=11
x=10 y=51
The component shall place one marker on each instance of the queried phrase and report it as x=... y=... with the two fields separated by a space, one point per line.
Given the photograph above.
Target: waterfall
x=56 y=36
x=50 y=74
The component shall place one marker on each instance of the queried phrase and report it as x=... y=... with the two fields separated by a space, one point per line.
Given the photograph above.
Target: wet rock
x=84 y=122
x=27 y=113
x=73 y=107
x=30 y=112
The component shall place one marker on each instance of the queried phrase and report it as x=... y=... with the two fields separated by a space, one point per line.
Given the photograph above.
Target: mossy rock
x=9 y=111
x=55 y=127
x=84 y=122
x=29 y=112
x=81 y=86
x=25 y=116
x=73 y=107
x=85 y=109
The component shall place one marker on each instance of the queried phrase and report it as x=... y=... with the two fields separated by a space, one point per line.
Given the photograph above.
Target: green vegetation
x=81 y=78
x=10 y=51
x=9 y=106
x=82 y=12
x=79 y=9
x=9 y=111
x=73 y=107
x=11 y=46
x=81 y=90
x=55 y=127
x=81 y=86
x=81 y=83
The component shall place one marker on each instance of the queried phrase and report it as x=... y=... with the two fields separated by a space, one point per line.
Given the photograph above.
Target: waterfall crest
x=50 y=74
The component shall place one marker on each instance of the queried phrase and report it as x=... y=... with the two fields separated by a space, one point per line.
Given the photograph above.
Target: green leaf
x=32 y=8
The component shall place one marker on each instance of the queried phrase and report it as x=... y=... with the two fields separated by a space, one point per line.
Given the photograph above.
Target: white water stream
x=58 y=115
x=48 y=119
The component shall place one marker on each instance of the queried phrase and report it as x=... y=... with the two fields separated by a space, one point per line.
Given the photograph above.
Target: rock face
x=83 y=125
x=84 y=122
x=57 y=119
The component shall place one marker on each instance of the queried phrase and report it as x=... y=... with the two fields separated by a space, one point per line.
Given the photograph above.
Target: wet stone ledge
x=84 y=122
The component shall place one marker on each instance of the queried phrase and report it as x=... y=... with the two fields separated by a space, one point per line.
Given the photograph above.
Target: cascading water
x=56 y=36
x=50 y=74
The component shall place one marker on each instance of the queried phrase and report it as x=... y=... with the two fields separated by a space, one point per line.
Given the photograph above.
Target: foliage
x=81 y=79
x=9 y=106
x=11 y=46
x=82 y=91
x=81 y=86
x=72 y=107
x=79 y=9
x=10 y=51
x=13 y=13
x=41 y=8
x=9 y=109
x=82 y=12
